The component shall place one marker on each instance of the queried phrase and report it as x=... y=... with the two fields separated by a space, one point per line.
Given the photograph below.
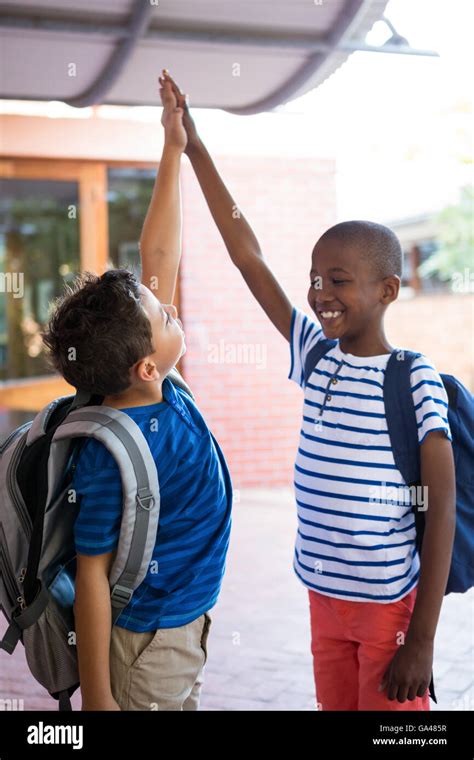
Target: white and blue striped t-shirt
x=356 y=531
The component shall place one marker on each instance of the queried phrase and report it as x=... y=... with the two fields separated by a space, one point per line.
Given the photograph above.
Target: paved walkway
x=259 y=657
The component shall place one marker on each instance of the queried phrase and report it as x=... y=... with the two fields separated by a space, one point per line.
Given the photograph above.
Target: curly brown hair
x=97 y=331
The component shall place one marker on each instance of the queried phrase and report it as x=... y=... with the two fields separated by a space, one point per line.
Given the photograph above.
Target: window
x=128 y=196
x=39 y=252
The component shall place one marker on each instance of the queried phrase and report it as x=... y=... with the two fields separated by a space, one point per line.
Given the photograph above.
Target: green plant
x=456 y=240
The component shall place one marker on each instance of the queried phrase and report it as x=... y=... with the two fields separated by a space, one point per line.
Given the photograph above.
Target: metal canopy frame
x=139 y=26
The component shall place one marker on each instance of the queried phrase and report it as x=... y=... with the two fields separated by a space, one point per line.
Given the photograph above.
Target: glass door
x=53 y=223
x=39 y=253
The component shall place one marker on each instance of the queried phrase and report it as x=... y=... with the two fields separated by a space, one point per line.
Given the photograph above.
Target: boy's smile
x=329 y=317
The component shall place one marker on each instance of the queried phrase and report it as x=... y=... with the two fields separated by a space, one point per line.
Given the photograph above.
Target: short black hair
x=377 y=244
x=103 y=320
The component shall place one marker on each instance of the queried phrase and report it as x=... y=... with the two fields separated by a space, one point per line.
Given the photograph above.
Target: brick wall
x=253 y=412
x=440 y=325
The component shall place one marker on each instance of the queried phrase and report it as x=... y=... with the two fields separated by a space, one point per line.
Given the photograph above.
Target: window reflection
x=129 y=194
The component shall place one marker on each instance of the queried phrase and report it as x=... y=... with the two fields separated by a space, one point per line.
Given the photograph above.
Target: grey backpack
x=37 y=515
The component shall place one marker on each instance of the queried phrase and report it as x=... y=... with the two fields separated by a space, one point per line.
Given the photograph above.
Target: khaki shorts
x=159 y=670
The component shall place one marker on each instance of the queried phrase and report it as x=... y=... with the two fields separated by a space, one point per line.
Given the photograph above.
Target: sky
x=399 y=128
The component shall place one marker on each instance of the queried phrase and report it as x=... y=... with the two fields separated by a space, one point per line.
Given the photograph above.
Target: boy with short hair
x=374 y=602
x=127 y=338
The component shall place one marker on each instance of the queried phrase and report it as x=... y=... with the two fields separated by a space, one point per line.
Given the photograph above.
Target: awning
x=245 y=57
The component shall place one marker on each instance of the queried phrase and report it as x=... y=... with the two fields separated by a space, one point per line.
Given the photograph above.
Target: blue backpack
x=403 y=432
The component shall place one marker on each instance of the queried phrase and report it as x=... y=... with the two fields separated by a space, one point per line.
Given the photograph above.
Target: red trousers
x=353 y=644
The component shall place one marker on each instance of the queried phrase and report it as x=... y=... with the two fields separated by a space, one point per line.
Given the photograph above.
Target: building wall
x=252 y=408
x=440 y=325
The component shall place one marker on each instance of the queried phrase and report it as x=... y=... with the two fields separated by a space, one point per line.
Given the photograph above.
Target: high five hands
x=181 y=101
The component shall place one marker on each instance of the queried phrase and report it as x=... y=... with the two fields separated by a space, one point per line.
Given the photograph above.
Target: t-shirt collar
x=172 y=397
x=379 y=361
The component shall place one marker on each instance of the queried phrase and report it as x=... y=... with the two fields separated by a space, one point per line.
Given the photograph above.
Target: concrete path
x=259 y=648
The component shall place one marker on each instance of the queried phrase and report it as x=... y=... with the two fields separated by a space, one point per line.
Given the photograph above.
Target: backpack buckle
x=121 y=595
x=146 y=497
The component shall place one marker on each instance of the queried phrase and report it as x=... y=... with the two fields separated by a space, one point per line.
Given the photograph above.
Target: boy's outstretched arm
x=240 y=241
x=160 y=241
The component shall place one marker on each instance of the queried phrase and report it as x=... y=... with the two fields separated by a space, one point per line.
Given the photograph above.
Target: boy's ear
x=391 y=288
x=147 y=370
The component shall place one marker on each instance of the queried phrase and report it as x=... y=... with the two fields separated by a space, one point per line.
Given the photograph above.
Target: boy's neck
x=149 y=393
x=367 y=344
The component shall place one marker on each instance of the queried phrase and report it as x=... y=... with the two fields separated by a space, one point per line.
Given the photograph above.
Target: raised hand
x=172 y=116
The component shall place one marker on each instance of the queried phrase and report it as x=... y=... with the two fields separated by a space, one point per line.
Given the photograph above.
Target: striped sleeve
x=304 y=335
x=99 y=492
x=430 y=399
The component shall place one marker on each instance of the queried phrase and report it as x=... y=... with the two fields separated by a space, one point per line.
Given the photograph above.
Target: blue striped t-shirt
x=188 y=560
x=356 y=529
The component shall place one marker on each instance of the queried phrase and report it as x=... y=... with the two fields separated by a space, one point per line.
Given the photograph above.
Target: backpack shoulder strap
x=85 y=398
x=400 y=414
x=40 y=423
x=141 y=494
x=315 y=354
